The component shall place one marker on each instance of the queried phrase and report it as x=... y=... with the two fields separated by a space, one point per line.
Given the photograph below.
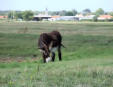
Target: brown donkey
x=48 y=43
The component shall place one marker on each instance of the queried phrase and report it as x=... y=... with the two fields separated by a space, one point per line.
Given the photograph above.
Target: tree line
x=24 y=15
x=28 y=15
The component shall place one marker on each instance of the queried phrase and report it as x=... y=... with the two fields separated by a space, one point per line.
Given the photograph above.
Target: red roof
x=57 y=16
x=106 y=16
x=1 y=17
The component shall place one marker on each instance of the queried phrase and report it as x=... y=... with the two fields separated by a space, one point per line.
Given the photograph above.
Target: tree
x=74 y=12
x=27 y=15
x=69 y=13
x=4 y=13
x=111 y=13
x=99 y=11
x=62 y=13
x=95 y=19
x=18 y=15
x=86 y=11
x=36 y=12
x=11 y=15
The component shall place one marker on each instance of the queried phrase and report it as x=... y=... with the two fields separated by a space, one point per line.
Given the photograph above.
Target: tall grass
x=87 y=58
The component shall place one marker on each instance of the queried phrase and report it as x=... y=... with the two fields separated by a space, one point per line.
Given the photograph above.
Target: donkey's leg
x=59 y=53
x=53 y=56
x=44 y=58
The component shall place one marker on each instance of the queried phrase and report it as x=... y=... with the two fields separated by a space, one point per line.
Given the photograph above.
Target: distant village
x=78 y=17
x=45 y=16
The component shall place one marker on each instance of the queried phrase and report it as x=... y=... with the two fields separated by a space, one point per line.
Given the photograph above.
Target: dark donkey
x=48 y=43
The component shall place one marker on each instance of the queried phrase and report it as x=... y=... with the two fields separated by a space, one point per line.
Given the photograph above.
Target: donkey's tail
x=63 y=45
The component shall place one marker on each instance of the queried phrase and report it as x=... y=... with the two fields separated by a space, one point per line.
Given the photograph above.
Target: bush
x=95 y=19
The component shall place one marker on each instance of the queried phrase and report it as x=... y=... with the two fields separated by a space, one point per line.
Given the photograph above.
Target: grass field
x=87 y=58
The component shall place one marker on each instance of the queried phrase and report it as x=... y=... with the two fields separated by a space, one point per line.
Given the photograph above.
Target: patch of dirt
x=4 y=60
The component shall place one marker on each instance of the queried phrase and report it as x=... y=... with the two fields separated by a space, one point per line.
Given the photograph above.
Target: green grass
x=87 y=58
x=84 y=73
x=17 y=45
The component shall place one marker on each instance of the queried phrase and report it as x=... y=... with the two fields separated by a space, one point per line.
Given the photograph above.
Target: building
x=79 y=16
x=41 y=17
x=86 y=17
x=3 y=17
x=104 y=17
x=68 y=18
x=54 y=18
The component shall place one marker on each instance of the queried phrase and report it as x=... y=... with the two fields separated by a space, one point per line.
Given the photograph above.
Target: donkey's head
x=46 y=51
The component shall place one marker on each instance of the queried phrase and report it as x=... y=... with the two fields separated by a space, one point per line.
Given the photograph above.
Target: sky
x=56 y=5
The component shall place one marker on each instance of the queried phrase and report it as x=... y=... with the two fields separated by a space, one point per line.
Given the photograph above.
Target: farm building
x=54 y=18
x=87 y=17
x=104 y=17
x=79 y=16
x=41 y=17
x=3 y=17
x=68 y=18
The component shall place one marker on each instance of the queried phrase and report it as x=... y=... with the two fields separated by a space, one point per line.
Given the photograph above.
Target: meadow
x=87 y=58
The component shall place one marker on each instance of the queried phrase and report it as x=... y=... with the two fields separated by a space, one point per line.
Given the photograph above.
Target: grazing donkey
x=48 y=43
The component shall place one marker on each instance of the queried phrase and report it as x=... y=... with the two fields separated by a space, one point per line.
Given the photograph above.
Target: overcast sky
x=55 y=5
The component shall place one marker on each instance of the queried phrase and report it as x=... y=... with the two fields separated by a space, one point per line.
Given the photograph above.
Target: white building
x=87 y=17
x=68 y=18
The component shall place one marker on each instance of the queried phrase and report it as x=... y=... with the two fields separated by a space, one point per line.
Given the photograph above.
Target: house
x=104 y=17
x=68 y=18
x=79 y=16
x=3 y=17
x=41 y=17
x=54 y=18
x=86 y=17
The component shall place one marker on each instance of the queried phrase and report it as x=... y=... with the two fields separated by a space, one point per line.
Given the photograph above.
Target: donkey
x=48 y=43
